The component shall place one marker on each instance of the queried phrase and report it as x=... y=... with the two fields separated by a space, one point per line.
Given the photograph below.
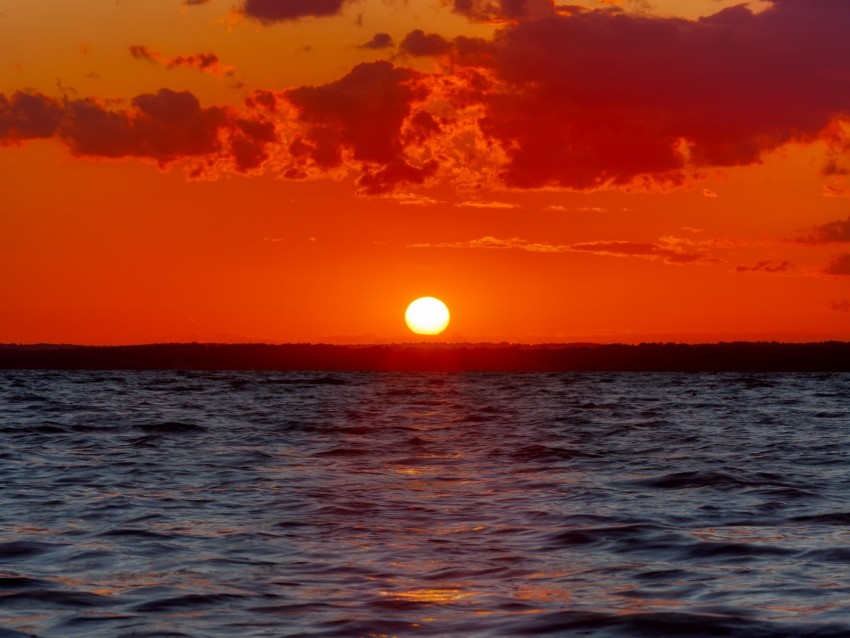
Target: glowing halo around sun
x=427 y=316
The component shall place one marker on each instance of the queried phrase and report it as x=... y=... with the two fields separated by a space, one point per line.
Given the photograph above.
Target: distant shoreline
x=830 y=356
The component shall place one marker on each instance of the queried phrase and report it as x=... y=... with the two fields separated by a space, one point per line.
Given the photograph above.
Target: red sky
x=300 y=170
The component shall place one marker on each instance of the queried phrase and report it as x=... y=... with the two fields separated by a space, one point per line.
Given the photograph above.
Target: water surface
x=390 y=504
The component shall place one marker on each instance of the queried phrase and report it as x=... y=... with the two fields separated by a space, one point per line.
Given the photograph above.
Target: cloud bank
x=271 y=11
x=559 y=97
x=166 y=126
x=666 y=250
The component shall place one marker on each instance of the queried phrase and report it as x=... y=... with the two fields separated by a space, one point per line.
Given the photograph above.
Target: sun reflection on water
x=435 y=596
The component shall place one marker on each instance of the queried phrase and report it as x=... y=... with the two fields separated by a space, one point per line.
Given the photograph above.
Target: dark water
x=383 y=504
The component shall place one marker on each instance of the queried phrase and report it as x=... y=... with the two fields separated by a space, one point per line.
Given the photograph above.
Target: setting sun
x=427 y=316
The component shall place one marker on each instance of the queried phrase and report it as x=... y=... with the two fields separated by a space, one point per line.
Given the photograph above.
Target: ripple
x=423 y=505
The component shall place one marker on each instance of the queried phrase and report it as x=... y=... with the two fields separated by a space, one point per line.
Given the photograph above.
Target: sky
x=300 y=170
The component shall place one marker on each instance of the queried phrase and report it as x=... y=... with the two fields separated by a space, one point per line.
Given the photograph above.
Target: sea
x=380 y=504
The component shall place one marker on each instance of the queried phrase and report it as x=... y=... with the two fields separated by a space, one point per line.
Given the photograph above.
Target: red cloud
x=361 y=114
x=378 y=41
x=141 y=52
x=601 y=97
x=249 y=142
x=26 y=116
x=579 y=100
x=765 y=266
x=166 y=126
x=419 y=43
x=206 y=62
x=839 y=266
x=502 y=9
x=270 y=11
x=832 y=232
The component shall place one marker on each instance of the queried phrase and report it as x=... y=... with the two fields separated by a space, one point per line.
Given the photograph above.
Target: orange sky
x=299 y=170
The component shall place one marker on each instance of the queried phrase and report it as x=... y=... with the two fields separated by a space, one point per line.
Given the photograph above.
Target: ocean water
x=390 y=504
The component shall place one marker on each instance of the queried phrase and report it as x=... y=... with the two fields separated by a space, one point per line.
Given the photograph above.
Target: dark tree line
x=738 y=356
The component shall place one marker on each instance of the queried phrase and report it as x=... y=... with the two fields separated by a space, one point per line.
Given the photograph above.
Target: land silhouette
x=832 y=356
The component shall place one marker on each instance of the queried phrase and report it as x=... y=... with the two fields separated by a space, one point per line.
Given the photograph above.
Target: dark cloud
x=378 y=41
x=599 y=97
x=165 y=126
x=488 y=10
x=418 y=43
x=839 y=266
x=362 y=114
x=142 y=52
x=562 y=97
x=261 y=99
x=250 y=141
x=765 y=266
x=271 y=11
x=832 y=232
x=191 y=2
x=475 y=52
x=206 y=62
x=27 y=116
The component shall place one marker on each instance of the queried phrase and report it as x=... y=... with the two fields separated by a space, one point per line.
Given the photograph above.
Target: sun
x=427 y=316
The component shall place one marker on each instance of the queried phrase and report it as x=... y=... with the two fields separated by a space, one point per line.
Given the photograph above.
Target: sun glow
x=427 y=316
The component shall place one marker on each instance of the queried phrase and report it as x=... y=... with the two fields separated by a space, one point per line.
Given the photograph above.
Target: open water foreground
x=424 y=504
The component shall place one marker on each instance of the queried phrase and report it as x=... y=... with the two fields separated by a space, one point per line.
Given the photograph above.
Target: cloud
x=420 y=44
x=412 y=199
x=830 y=190
x=28 y=116
x=653 y=251
x=362 y=124
x=194 y=2
x=559 y=208
x=141 y=52
x=486 y=204
x=261 y=99
x=766 y=267
x=166 y=126
x=829 y=233
x=558 y=97
x=249 y=141
x=492 y=10
x=661 y=251
x=493 y=243
x=361 y=116
x=837 y=137
x=205 y=62
x=362 y=111
x=840 y=265
x=271 y=11
x=841 y=306
x=599 y=98
x=163 y=126
x=378 y=41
